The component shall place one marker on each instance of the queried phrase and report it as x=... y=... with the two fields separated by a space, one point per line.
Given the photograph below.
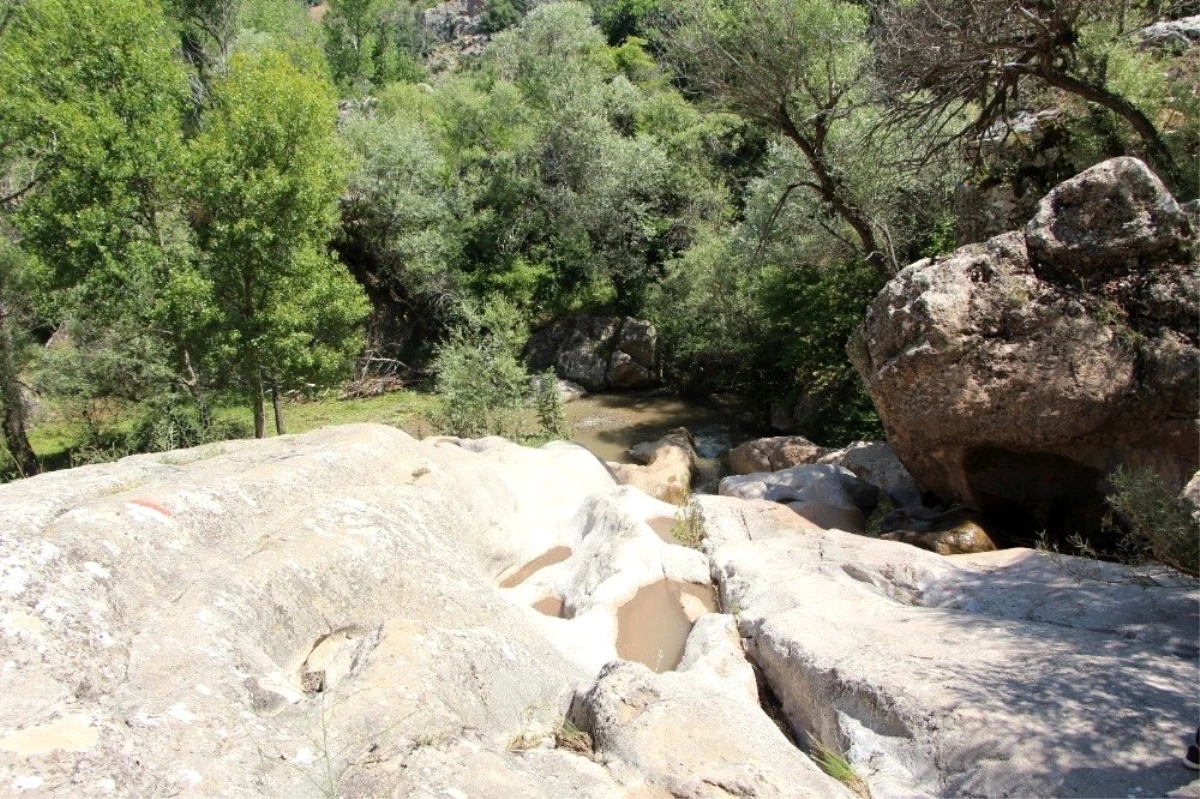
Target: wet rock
x=932 y=673
x=664 y=467
x=1006 y=387
x=597 y=352
x=773 y=454
x=822 y=493
x=964 y=538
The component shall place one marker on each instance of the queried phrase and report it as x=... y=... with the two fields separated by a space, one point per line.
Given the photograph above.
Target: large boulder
x=830 y=497
x=597 y=352
x=871 y=461
x=1109 y=222
x=1014 y=375
x=996 y=674
x=773 y=454
x=663 y=468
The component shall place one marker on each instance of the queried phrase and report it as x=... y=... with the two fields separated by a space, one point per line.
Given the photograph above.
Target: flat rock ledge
x=351 y=612
x=996 y=674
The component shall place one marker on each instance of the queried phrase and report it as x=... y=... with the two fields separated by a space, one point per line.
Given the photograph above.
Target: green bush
x=1153 y=524
x=479 y=374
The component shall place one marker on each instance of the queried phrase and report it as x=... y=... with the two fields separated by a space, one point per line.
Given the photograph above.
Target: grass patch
x=61 y=436
x=688 y=529
x=837 y=766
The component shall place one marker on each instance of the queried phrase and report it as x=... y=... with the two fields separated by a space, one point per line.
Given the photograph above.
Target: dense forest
x=217 y=203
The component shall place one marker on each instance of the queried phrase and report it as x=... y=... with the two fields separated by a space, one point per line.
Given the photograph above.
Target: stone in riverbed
x=664 y=469
x=826 y=495
x=773 y=454
x=689 y=734
x=962 y=539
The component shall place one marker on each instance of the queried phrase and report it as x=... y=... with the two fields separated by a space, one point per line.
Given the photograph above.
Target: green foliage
x=622 y=20
x=267 y=173
x=837 y=766
x=370 y=43
x=549 y=405
x=479 y=373
x=549 y=175
x=813 y=313
x=1155 y=526
x=726 y=324
x=91 y=94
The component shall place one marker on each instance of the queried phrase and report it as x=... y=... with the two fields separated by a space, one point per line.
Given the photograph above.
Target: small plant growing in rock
x=551 y=411
x=837 y=766
x=688 y=529
x=573 y=739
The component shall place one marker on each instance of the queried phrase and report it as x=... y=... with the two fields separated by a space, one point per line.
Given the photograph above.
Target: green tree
x=799 y=67
x=947 y=56
x=267 y=171
x=15 y=352
x=91 y=96
x=370 y=43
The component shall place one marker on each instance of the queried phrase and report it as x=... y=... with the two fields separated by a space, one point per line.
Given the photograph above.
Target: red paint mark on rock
x=154 y=506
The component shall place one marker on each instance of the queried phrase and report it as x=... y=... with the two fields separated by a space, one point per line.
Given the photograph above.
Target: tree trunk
x=277 y=404
x=1156 y=150
x=15 y=436
x=260 y=406
x=832 y=192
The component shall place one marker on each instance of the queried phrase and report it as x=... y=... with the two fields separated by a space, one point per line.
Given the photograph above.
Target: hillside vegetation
x=216 y=204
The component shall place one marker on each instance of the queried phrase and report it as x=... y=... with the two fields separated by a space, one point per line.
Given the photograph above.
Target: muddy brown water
x=653 y=627
x=547 y=558
x=662 y=526
x=609 y=424
x=550 y=606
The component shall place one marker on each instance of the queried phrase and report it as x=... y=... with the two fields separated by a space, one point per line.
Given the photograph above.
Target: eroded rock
x=1006 y=386
x=597 y=352
x=773 y=454
x=971 y=675
x=664 y=469
x=828 y=496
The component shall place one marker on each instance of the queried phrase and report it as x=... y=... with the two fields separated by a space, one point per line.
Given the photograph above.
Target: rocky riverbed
x=354 y=612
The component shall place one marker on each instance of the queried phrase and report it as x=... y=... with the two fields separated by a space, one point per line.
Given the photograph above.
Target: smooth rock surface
x=672 y=727
x=324 y=615
x=773 y=454
x=250 y=617
x=997 y=674
x=876 y=463
x=664 y=468
x=829 y=496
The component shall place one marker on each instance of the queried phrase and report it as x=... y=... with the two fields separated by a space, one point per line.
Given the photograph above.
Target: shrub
x=478 y=371
x=485 y=386
x=1154 y=525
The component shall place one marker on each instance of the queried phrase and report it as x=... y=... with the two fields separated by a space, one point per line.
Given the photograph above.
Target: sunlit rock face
x=1014 y=375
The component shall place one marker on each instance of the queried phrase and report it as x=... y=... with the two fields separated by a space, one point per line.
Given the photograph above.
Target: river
x=609 y=424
